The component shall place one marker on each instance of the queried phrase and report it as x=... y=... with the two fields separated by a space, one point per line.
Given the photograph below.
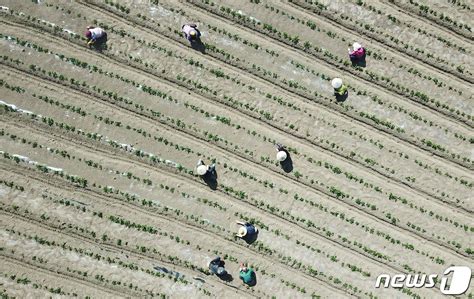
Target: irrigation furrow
x=433 y=21
x=212 y=281
x=347 y=159
x=303 y=184
x=402 y=183
x=67 y=277
x=280 y=219
x=356 y=31
x=336 y=108
x=32 y=175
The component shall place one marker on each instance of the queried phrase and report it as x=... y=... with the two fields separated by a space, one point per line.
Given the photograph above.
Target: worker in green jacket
x=339 y=88
x=246 y=274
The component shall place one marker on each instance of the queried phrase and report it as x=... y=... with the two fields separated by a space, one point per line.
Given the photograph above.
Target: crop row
x=145 y=249
x=342 y=194
x=149 y=229
x=371 y=118
x=213 y=136
x=333 y=59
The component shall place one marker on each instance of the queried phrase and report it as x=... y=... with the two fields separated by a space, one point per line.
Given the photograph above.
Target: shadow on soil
x=210 y=179
x=359 y=62
x=342 y=98
x=251 y=238
x=198 y=46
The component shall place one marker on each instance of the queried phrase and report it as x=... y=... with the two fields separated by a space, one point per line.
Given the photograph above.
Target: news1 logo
x=460 y=280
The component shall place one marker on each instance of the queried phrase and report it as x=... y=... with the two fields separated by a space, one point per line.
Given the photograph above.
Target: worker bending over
x=191 y=32
x=95 y=36
x=339 y=88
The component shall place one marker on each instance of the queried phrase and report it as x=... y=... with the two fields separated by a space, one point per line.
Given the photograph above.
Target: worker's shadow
x=287 y=164
x=359 y=62
x=342 y=98
x=199 y=46
x=210 y=179
x=227 y=277
x=253 y=282
x=249 y=239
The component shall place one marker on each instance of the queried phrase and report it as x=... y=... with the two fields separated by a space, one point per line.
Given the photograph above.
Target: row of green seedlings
x=397 y=21
x=85 y=232
x=24 y=280
x=325 y=55
x=44 y=241
x=39 y=262
x=260 y=247
x=241 y=194
x=416 y=117
x=411 y=92
x=464 y=138
x=142 y=249
x=103 y=237
x=279 y=233
x=375 y=32
x=432 y=14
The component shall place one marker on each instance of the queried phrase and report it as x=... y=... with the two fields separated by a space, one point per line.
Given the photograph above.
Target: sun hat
x=281 y=156
x=242 y=231
x=201 y=169
x=356 y=46
x=336 y=83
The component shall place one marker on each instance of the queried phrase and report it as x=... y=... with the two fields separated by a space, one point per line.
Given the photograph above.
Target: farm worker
x=95 y=36
x=357 y=52
x=191 y=32
x=246 y=230
x=281 y=153
x=203 y=169
x=246 y=274
x=339 y=88
x=216 y=266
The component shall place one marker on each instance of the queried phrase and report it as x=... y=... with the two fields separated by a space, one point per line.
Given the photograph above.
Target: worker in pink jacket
x=357 y=53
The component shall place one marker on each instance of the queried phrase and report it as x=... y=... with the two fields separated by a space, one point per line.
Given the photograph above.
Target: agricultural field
x=99 y=196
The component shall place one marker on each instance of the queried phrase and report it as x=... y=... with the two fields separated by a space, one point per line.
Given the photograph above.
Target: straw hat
x=336 y=83
x=356 y=46
x=201 y=169
x=242 y=231
x=281 y=156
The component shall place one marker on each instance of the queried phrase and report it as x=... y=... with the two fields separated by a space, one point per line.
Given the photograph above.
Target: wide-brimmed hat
x=281 y=156
x=356 y=46
x=336 y=82
x=242 y=231
x=201 y=169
